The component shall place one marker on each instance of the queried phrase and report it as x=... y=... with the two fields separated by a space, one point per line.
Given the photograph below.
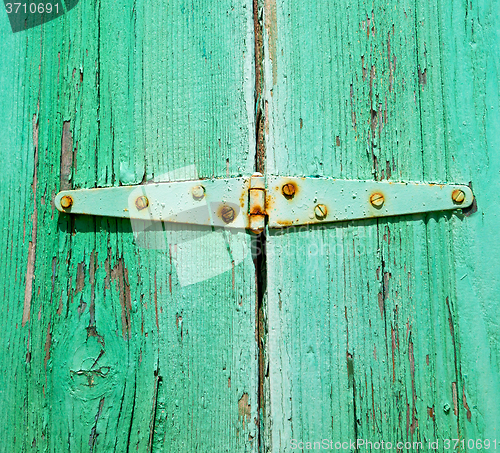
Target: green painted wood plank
x=471 y=98
x=371 y=330
x=123 y=337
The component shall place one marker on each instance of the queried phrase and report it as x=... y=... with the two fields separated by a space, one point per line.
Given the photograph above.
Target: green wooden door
x=119 y=337
x=127 y=336
x=384 y=330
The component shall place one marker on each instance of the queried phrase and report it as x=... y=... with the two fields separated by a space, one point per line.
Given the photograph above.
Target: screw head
x=458 y=196
x=198 y=192
x=377 y=200
x=320 y=211
x=288 y=190
x=66 y=202
x=227 y=213
x=141 y=203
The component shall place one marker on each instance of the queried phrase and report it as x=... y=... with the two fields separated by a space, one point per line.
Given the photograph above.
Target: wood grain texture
x=119 y=336
x=384 y=329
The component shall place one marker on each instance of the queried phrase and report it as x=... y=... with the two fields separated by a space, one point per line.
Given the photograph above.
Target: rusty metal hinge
x=246 y=202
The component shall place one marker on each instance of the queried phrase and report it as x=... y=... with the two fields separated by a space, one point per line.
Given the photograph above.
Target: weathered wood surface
x=111 y=340
x=386 y=329
x=120 y=339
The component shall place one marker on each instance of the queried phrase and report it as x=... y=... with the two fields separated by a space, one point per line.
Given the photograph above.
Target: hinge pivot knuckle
x=257 y=203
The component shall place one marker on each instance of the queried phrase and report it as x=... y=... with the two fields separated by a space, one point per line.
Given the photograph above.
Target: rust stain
x=244 y=409
x=30 y=268
x=243 y=198
x=257 y=209
x=284 y=222
x=431 y=413
x=270 y=201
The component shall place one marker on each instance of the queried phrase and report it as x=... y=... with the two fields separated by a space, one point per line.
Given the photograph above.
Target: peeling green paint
x=383 y=330
x=126 y=336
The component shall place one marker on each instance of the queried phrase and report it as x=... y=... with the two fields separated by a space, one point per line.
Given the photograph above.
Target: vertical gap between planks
x=260 y=239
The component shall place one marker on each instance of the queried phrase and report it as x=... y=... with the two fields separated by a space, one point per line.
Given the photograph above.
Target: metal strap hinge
x=246 y=202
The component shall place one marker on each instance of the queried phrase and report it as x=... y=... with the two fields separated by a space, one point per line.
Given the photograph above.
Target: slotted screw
x=66 y=202
x=377 y=200
x=320 y=211
x=227 y=213
x=141 y=203
x=198 y=192
x=288 y=190
x=458 y=196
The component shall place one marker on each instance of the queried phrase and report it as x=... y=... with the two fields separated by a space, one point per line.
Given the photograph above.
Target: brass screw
x=66 y=202
x=377 y=200
x=320 y=211
x=227 y=213
x=288 y=190
x=458 y=196
x=198 y=192
x=141 y=203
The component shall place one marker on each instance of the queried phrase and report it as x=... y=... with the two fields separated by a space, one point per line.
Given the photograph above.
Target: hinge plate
x=211 y=202
x=340 y=200
x=245 y=202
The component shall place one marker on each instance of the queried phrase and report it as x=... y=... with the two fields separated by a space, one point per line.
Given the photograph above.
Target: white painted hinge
x=246 y=202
